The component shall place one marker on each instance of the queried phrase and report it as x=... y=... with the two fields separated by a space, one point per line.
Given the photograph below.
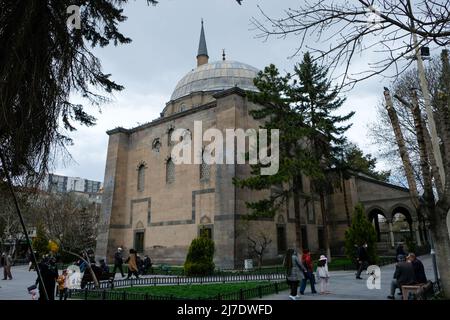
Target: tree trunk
x=434 y=169
x=298 y=227
x=325 y=225
x=402 y=149
x=423 y=154
x=344 y=189
x=441 y=239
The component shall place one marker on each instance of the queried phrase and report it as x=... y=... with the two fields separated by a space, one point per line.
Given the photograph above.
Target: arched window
x=156 y=145
x=141 y=178
x=170 y=171
x=205 y=170
x=169 y=136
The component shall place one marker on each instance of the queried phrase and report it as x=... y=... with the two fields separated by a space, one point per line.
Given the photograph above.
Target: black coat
x=118 y=260
x=404 y=273
x=362 y=254
x=49 y=275
x=419 y=271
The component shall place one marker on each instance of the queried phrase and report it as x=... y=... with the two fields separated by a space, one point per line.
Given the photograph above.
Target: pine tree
x=44 y=63
x=301 y=106
x=361 y=231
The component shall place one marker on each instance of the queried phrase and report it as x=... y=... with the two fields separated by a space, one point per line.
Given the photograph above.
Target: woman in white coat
x=323 y=274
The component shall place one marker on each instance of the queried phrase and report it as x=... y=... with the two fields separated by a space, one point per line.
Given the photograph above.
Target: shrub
x=361 y=231
x=199 y=260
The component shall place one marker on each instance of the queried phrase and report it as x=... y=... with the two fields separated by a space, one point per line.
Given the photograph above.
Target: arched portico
x=403 y=223
x=377 y=215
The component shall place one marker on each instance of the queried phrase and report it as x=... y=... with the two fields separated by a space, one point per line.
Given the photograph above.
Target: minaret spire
x=202 y=55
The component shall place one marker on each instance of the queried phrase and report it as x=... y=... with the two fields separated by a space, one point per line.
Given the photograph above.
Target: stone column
x=391 y=233
x=416 y=229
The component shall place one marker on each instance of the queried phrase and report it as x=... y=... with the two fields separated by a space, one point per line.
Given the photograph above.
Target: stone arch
x=140 y=225
x=403 y=207
x=373 y=215
x=396 y=212
x=205 y=220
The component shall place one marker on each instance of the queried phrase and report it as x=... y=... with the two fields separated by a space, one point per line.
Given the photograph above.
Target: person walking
x=323 y=274
x=132 y=264
x=7 y=263
x=363 y=260
x=63 y=284
x=309 y=275
x=403 y=275
x=118 y=262
x=294 y=272
x=400 y=251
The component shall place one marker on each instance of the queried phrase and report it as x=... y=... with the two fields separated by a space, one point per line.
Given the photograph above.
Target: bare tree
x=258 y=246
x=68 y=218
x=343 y=30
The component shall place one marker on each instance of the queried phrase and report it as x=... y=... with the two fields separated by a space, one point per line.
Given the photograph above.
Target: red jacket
x=307 y=262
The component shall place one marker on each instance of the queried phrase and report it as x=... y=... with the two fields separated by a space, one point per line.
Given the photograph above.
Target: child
x=323 y=274
x=62 y=285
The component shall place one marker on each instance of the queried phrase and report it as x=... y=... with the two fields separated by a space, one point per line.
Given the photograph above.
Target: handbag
x=33 y=287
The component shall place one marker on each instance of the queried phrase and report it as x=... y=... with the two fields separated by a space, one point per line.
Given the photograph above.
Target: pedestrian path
x=344 y=286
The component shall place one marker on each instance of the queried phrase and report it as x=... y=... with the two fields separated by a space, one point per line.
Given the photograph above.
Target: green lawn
x=195 y=291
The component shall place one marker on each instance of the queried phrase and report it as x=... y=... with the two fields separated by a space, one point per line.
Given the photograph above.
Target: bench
x=417 y=292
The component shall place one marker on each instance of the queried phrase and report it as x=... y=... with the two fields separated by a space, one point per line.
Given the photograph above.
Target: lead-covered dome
x=216 y=76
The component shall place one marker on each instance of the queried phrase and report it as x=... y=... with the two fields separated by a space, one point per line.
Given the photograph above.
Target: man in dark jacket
x=403 y=275
x=49 y=273
x=118 y=262
x=419 y=270
x=362 y=259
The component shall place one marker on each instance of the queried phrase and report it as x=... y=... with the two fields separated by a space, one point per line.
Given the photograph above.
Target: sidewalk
x=344 y=286
x=16 y=289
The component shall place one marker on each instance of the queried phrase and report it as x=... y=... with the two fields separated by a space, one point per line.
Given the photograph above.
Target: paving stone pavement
x=16 y=289
x=343 y=285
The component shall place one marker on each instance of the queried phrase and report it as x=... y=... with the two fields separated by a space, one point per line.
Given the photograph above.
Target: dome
x=216 y=76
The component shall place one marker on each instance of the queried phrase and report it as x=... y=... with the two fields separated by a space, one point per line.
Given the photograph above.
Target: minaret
x=202 y=55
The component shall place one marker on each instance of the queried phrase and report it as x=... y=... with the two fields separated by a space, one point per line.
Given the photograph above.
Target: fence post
x=259 y=292
x=241 y=294
x=276 y=287
x=85 y=293
x=104 y=295
x=124 y=297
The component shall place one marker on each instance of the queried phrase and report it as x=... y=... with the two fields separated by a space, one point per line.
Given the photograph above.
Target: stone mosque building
x=158 y=208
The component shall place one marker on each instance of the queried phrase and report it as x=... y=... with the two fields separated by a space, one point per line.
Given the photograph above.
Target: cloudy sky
x=165 y=41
